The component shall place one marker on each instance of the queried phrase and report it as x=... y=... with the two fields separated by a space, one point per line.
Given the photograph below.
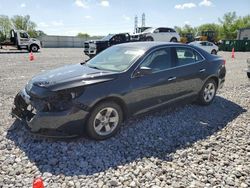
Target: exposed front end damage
x=53 y=101
x=50 y=110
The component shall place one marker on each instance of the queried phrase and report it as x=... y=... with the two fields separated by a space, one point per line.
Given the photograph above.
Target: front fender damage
x=51 y=112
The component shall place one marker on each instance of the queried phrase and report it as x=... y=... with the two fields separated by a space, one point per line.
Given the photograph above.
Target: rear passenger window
x=163 y=30
x=158 y=60
x=209 y=44
x=203 y=43
x=172 y=30
x=187 y=56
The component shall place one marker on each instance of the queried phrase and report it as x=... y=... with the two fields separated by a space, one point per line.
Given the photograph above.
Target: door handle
x=171 y=78
x=202 y=70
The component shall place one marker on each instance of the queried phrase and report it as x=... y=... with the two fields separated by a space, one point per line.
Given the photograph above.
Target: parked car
x=93 y=47
x=162 y=34
x=248 y=67
x=124 y=80
x=207 y=46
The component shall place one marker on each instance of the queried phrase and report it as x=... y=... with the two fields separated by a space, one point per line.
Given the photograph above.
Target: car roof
x=149 y=45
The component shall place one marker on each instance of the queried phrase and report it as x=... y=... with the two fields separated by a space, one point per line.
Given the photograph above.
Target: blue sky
x=100 y=17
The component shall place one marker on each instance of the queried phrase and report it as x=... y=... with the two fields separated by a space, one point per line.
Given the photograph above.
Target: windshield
x=108 y=37
x=116 y=58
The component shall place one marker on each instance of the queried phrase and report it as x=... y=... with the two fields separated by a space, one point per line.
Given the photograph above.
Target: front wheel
x=104 y=121
x=214 y=52
x=34 y=48
x=149 y=39
x=207 y=93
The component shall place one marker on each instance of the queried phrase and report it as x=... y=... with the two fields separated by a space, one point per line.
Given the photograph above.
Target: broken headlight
x=63 y=100
x=60 y=100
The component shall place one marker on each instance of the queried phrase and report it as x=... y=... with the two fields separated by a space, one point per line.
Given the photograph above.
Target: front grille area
x=86 y=45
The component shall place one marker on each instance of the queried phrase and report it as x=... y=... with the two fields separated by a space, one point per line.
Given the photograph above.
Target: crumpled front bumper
x=37 y=121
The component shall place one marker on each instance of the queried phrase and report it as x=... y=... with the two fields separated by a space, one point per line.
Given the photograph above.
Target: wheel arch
x=174 y=37
x=116 y=100
x=215 y=78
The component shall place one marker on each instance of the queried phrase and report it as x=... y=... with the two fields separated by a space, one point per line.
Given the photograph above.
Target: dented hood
x=70 y=76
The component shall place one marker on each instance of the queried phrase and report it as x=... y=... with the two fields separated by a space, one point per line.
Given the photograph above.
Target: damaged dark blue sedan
x=128 y=79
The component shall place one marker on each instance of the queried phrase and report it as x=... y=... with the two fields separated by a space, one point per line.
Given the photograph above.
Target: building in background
x=243 y=34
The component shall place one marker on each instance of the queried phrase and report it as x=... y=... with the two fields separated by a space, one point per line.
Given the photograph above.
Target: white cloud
x=187 y=22
x=81 y=3
x=104 y=3
x=57 y=23
x=43 y=24
x=23 y=5
x=88 y=17
x=206 y=3
x=185 y=5
x=126 y=18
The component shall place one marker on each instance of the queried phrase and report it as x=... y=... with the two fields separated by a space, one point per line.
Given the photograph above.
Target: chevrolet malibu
x=124 y=80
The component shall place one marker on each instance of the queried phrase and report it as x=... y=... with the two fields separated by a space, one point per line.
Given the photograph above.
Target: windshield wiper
x=94 y=67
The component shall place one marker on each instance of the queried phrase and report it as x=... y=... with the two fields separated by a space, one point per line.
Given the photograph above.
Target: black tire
x=91 y=123
x=202 y=99
x=149 y=39
x=34 y=48
x=214 y=52
x=173 y=40
x=248 y=74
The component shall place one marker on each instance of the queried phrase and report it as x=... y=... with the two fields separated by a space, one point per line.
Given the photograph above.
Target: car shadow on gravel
x=157 y=134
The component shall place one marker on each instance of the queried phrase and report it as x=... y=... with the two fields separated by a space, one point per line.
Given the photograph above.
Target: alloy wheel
x=105 y=121
x=209 y=92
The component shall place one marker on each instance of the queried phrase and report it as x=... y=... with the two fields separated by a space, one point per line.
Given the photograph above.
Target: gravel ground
x=187 y=146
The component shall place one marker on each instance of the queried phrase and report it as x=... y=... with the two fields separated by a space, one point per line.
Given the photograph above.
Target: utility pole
x=136 y=24
x=143 y=20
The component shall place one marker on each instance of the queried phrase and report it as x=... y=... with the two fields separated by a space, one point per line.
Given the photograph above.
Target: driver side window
x=24 y=35
x=158 y=60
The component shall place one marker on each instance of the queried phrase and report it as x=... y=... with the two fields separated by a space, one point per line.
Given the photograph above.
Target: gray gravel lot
x=186 y=146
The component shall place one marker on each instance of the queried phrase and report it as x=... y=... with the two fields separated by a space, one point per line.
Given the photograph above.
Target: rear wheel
x=104 y=121
x=173 y=39
x=214 y=52
x=207 y=93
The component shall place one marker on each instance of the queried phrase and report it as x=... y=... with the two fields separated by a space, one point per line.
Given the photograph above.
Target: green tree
x=5 y=26
x=209 y=27
x=189 y=29
x=40 y=33
x=178 y=30
x=216 y=28
x=229 y=29
x=23 y=23
x=83 y=35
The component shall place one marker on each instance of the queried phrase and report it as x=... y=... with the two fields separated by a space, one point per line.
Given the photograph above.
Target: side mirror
x=143 y=71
